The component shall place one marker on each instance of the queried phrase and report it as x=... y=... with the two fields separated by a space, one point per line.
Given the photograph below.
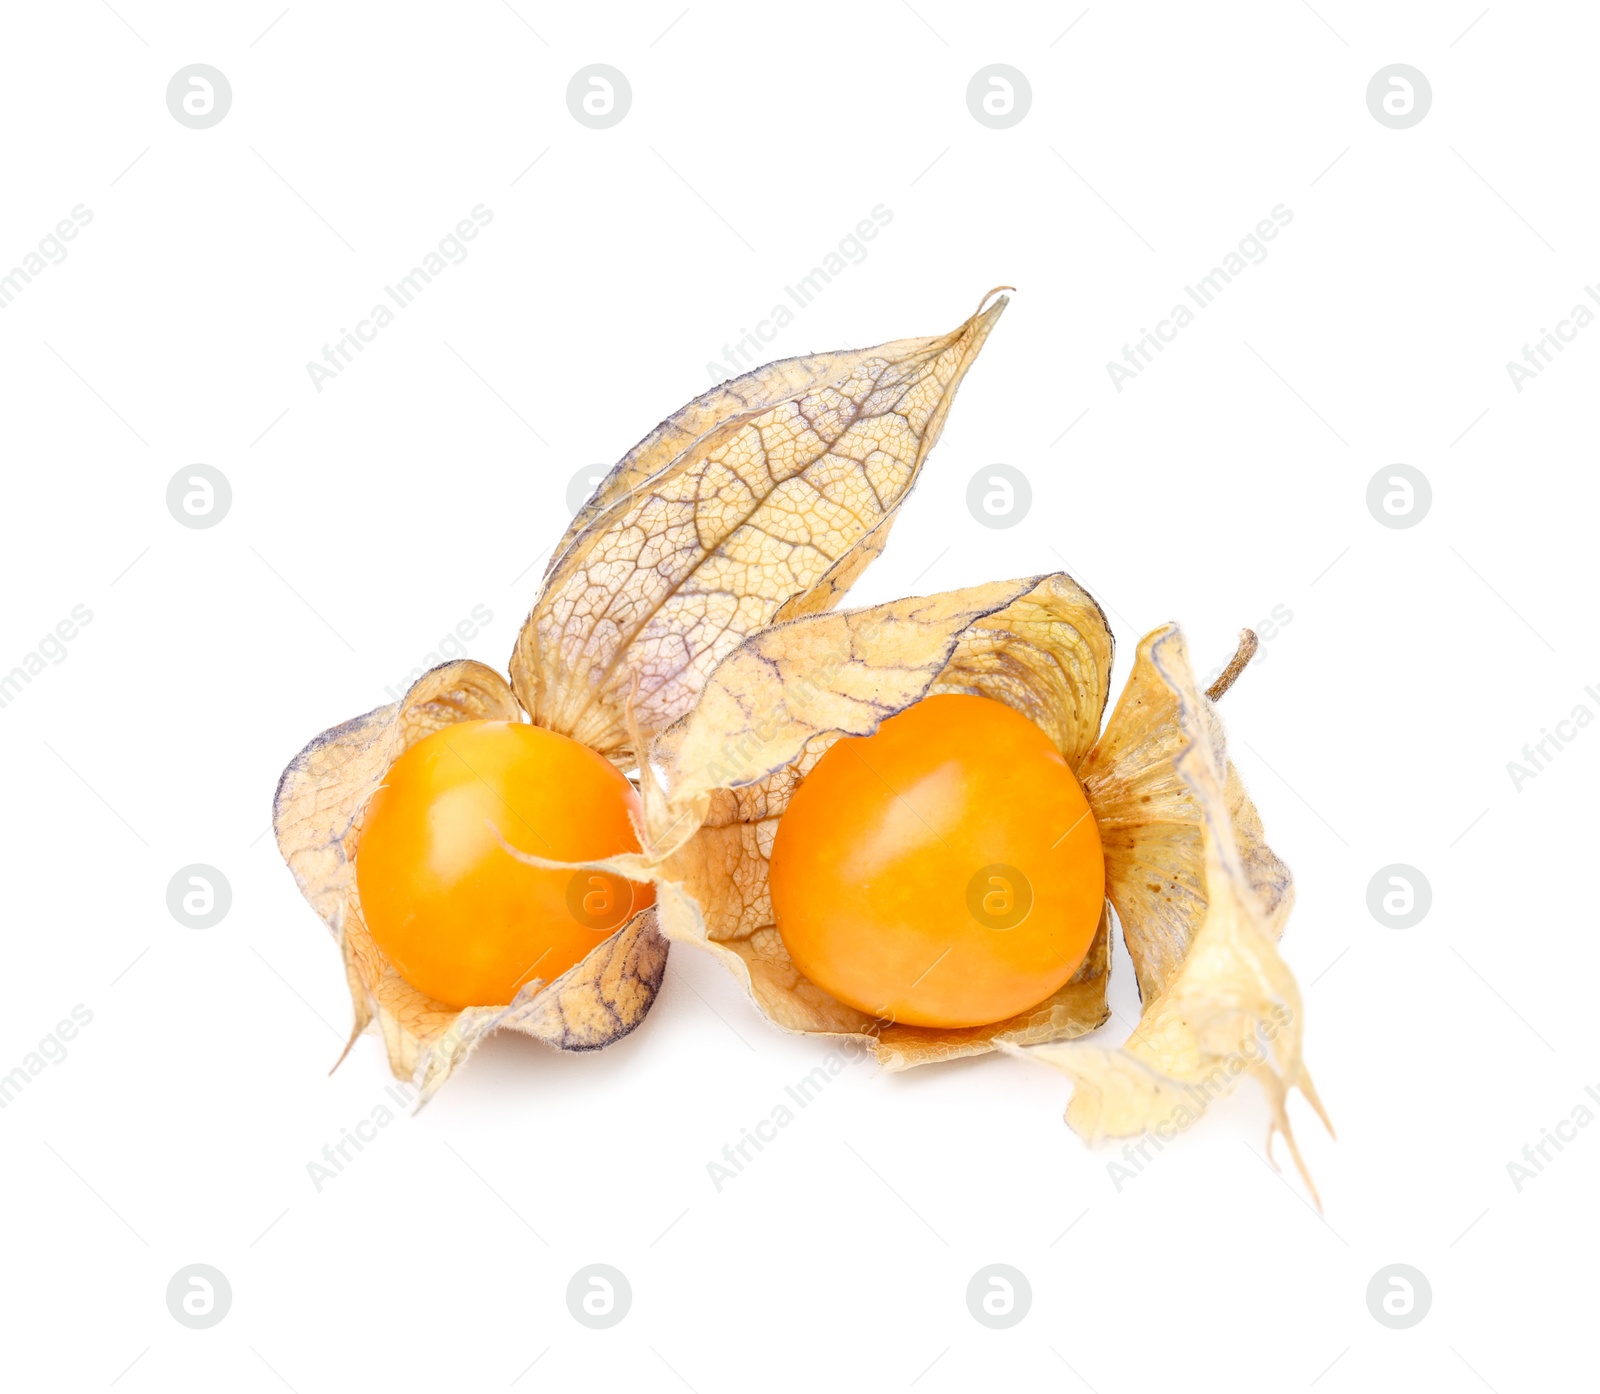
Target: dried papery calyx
x=1226 y=1006
x=318 y=818
x=1199 y=895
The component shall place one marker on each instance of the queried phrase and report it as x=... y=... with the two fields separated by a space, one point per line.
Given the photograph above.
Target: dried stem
x=1248 y=644
x=987 y=294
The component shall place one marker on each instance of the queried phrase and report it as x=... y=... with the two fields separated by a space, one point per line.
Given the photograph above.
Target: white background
x=369 y=518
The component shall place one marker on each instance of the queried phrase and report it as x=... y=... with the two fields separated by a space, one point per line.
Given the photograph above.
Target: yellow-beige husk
x=759 y=502
x=1199 y=896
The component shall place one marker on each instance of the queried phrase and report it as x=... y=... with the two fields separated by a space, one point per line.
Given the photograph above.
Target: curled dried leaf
x=763 y=498
x=1151 y=818
x=1230 y=1006
x=317 y=820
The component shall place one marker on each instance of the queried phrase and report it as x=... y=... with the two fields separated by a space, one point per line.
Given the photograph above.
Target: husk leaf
x=1231 y=1007
x=1151 y=819
x=761 y=500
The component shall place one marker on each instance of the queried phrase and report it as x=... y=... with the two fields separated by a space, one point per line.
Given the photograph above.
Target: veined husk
x=761 y=500
x=1199 y=895
x=1227 y=1006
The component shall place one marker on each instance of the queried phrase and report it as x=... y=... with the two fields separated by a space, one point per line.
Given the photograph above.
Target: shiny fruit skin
x=456 y=915
x=943 y=871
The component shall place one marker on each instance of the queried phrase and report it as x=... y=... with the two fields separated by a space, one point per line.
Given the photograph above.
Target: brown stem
x=994 y=291
x=1248 y=644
